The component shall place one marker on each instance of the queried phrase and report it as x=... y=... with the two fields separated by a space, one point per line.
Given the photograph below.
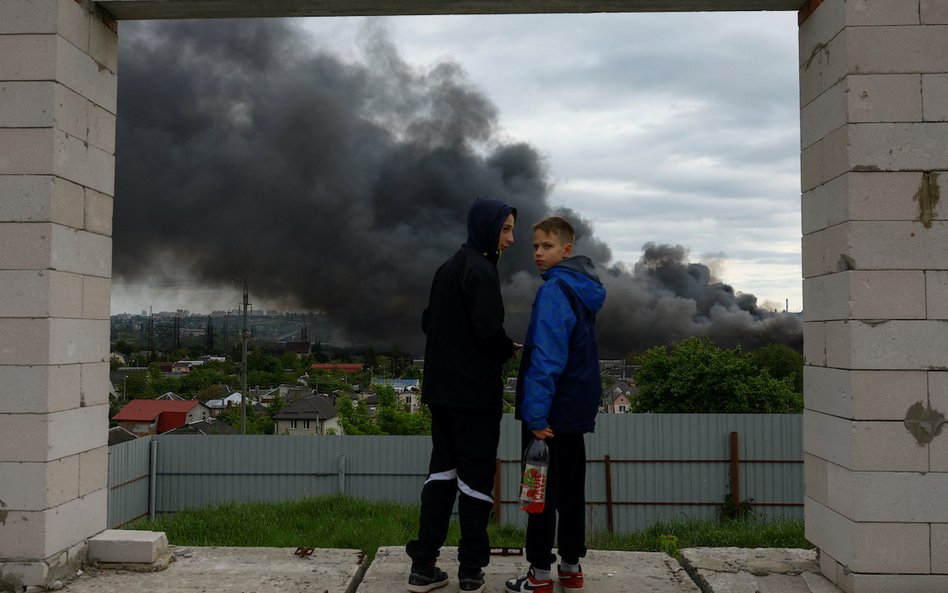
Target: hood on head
x=579 y=273
x=484 y=220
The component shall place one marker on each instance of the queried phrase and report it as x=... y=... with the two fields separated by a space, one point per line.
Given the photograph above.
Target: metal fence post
x=497 y=467
x=609 y=524
x=735 y=473
x=152 y=477
x=342 y=475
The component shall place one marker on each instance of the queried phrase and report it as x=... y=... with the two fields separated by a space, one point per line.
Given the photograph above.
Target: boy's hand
x=543 y=433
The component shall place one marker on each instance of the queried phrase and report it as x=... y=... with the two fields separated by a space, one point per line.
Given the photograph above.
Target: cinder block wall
x=58 y=62
x=874 y=133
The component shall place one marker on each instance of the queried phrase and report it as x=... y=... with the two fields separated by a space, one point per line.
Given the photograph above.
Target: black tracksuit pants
x=463 y=458
x=565 y=495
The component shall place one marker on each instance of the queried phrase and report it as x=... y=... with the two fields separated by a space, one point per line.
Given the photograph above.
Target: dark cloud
x=339 y=185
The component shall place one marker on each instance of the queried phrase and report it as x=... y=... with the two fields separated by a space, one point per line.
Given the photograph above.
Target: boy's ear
x=567 y=250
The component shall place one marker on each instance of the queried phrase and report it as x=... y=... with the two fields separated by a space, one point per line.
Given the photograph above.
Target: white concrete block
x=127 y=545
x=896 y=50
x=864 y=13
x=935 y=97
x=862 y=445
x=863 y=395
x=93 y=470
x=900 y=496
x=940 y=548
x=95 y=383
x=83 y=163
x=884 y=98
x=38 y=486
x=28 y=57
x=815 y=478
x=77 y=431
x=78 y=340
x=829 y=567
x=26 y=151
x=822 y=66
x=892 y=345
x=76 y=520
x=828 y=530
x=824 y=114
x=934 y=12
x=83 y=74
x=21 y=535
x=826 y=22
x=41 y=198
x=895 y=548
x=73 y=20
x=826 y=158
x=40 y=293
x=898 y=146
x=24 y=341
x=96 y=297
x=101 y=129
x=827 y=251
x=98 y=213
x=863 y=196
x=936 y=289
x=72 y=113
x=814 y=343
x=22 y=438
x=39 y=389
x=103 y=45
x=81 y=252
x=29 y=573
x=25 y=246
x=865 y=295
x=895 y=583
x=28 y=16
x=27 y=104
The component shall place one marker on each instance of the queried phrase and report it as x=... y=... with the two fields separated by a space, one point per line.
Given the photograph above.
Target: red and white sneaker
x=571 y=581
x=528 y=583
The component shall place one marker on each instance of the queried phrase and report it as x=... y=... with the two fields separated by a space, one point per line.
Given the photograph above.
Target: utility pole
x=244 y=337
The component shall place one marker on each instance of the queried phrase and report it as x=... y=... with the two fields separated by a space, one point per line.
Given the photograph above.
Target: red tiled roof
x=342 y=367
x=146 y=410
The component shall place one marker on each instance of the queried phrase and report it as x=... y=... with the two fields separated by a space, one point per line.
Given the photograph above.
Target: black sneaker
x=422 y=580
x=473 y=583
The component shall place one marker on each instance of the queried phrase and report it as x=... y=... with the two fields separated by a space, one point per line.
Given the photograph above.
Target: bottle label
x=533 y=488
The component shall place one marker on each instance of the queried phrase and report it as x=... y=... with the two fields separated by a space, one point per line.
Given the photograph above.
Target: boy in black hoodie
x=464 y=355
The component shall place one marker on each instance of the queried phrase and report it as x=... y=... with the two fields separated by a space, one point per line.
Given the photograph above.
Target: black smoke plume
x=340 y=184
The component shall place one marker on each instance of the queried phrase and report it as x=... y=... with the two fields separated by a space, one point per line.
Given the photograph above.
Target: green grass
x=340 y=522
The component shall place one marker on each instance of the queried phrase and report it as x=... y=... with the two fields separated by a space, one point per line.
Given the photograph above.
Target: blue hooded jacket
x=559 y=384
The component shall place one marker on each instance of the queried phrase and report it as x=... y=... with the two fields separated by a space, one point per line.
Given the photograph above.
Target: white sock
x=566 y=567
x=541 y=575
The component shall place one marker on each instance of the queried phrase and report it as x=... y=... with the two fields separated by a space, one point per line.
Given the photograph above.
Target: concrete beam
x=189 y=9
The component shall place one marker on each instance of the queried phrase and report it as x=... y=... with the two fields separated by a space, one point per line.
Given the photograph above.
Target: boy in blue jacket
x=558 y=395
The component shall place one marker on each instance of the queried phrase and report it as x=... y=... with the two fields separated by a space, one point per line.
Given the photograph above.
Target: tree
x=695 y=376
x=391 y=416
x=780 y=361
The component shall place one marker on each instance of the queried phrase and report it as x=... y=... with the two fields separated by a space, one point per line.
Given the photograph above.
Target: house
x=216 y=406
x=206 y=427
x=398 y=384
x=314 y=414
x=118 y=435
x=183 y=367
x=618 y=400
x=171 y=396
x=151 y=416
x=337 y=367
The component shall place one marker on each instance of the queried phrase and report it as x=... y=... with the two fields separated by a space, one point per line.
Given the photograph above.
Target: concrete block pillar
x=874 y=132
x=58 y=62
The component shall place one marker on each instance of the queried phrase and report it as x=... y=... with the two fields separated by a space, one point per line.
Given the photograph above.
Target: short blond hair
x=556 y=225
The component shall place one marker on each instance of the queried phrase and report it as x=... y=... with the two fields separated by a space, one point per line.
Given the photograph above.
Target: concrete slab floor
x=755 y=570
x=605 y=572
x=235 y=570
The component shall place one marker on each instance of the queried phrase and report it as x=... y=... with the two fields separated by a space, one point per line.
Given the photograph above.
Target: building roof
x=211 y=427
x=312 y=407
x=341 y=367
x=119 y=435
x=148 y=410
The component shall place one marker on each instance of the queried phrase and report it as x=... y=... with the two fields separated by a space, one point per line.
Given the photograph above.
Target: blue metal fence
x=641 y=468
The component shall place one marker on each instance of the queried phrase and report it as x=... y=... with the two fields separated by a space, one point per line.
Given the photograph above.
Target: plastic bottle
x=536 y=462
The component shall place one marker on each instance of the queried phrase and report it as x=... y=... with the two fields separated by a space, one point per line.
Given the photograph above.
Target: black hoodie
x=464 y=321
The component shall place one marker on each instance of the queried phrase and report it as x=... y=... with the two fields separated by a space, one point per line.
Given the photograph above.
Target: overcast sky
x=666 y=128
x=671 y=128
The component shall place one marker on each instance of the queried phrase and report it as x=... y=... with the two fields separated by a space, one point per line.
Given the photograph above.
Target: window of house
x=408 y=400
x=292 y=423
x=306 y=424
x=622 y=408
